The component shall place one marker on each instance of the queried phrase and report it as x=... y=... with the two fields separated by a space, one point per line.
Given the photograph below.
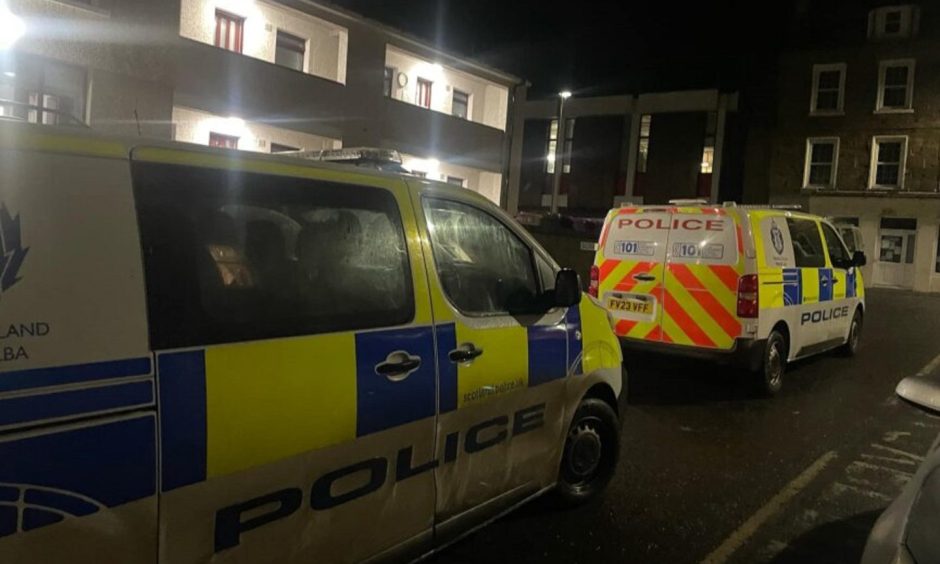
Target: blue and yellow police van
x=216 y=356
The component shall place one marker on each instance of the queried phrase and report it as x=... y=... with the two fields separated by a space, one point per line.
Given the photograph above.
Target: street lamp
x=559 y=149
x=11 y=27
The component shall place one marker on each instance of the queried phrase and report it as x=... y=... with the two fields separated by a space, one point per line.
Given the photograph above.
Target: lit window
x=461 y=105
x=821 y=160
x=708 y=151
x=290 y=51
x=895 y=85
x=552 y=147
x=423 y=98
x=646 y=123
x=888 y=162
x=828 y=84
x=223 y=141
x=229 y=31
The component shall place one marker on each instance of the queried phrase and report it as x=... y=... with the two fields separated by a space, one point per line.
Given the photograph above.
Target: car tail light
x=595 y=281
x=748 y=296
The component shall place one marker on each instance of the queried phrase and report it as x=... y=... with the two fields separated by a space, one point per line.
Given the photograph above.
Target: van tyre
x=770 y=374
x=591 y=452
x=854 y=337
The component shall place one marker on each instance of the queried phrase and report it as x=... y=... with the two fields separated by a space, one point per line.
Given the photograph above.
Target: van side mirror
x=567 y=288
x=859 y=259
x=922 y=392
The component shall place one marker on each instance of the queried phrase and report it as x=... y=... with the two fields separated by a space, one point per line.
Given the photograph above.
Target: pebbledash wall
x=855 y=135
x=140 y=67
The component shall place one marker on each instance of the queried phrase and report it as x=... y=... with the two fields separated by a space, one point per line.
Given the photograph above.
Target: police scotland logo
x=776 y=238
x=12 y=252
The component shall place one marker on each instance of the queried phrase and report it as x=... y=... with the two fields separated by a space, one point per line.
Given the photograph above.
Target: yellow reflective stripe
x=810 y=278
x=676 y=334
x=601 y=348
x=264 y=402
x=249 y=163
x=840 y=280
x=29 y=139
x=504 y=367
x=770 y=288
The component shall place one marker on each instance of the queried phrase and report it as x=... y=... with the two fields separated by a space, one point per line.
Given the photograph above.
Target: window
x=891 y=22
x=290 y=51
x=708 y=151
x=569 y=144
x=42 y=91
x=455 y=180
x=646 y=123
x=552 y=147
x=822 y=157
x=389 y=81
x=229 y=31
x=895 y=86
x=484 y=267
x=807 y=245
x=888 y=156
x=278 y=148
x=223 y=141
x=838 y=255
x=828 y=89
x=461 y=105
x=234 y=256
x=423 y=98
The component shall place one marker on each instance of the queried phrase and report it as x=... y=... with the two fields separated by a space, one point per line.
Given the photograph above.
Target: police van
x=761 y=286
x=215 y=356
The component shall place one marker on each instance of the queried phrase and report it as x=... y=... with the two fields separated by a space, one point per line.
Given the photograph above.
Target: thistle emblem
x=12 y=252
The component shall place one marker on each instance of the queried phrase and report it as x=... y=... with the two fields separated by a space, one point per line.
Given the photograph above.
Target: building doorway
x=897 y=239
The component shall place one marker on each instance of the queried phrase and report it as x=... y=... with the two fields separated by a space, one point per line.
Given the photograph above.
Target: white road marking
x=898 y=452
x=892 y=436
x=840 y=487
x=768 y=510
x=930 y=366
x=889 y=459
x=870 y=466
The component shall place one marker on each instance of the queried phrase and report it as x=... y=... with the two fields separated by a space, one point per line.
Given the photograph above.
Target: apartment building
x=259 y=75
x=855 y=133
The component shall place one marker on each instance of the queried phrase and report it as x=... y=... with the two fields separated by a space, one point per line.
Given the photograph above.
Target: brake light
x=748 y=296
x=595 y=281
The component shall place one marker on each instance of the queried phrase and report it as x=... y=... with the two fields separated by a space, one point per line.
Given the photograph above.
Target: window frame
x=831 y=229
x=790 y=221
x=466 y=103
x=883 y=66
x=231 y=19
x=224 y=139
x=526 y=242
x=291 y=42
x=876 y=142
x=420 y=85
x=818 y=69
x=807 y=163
x=388 y=81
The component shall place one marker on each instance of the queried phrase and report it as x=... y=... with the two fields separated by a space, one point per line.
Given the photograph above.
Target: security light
x=11 y=27
x=565 y=94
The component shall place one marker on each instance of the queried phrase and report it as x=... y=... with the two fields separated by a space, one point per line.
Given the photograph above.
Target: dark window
x=893 y=22
x=904 y=223
x=278 y=148
x=455 y=180
x=643 y=148
x=389 y=81
x=461 y=105
x=423 y=98
x=888 y=163
x=894 y=93
x=822 y=156
x=807 y=244
x=233 y=256
x=838 y=255
x=290 y=51
x=223 y=141
x=483 y=266
x=229 y=31
x=827 y=90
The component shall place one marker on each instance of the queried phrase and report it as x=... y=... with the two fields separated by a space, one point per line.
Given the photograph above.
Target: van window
x=232 y=256
x=703 y=239
x=807 y=244
x=838 y=255
x=484 y=267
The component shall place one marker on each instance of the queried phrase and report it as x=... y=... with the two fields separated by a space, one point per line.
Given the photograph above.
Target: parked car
x=761 y=286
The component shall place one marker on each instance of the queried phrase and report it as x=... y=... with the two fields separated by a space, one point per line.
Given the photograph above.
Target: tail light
x=595 y=281
x=748 y=296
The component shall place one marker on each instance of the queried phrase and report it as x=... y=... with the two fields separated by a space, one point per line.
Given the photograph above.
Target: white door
x=895 y=265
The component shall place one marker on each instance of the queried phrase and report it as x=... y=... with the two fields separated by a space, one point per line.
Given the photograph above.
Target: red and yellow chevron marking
x=699 y=307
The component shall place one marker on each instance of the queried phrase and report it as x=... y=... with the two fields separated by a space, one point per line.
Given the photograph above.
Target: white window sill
x=827 y=113
x=894 y=111
x=885 y=188
x=85 y=7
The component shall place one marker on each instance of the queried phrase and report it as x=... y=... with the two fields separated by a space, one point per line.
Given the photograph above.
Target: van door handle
x=644 y=277
x=398 y=366
x=466 y=352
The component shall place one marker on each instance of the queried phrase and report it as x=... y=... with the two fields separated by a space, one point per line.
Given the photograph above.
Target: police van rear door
x=631 y=270
x=705 y=259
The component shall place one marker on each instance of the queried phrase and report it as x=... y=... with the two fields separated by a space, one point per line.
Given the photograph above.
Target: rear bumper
x=745 y=352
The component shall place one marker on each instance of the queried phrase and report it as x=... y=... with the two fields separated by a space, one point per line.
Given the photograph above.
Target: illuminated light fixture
x=12 y=27
x=565 y=94
x=10 y=74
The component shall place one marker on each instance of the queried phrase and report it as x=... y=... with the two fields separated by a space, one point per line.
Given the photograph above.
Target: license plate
x=630 y=305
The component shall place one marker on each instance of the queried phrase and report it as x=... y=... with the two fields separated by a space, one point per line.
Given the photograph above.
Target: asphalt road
x=707 y=470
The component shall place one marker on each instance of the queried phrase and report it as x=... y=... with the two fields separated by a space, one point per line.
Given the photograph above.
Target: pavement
x=710 y=473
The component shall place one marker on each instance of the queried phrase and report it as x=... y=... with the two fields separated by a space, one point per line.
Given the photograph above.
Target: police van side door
x=814 y=283
x=843 y=280
x=295 y=361
x=632 y=274
x=502 y=362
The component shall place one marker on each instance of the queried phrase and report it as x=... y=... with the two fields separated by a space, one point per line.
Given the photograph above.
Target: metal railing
x=22 y=112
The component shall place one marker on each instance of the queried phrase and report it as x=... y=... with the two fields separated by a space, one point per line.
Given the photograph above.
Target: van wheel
x=592 y=449
x=770 y=375
x=855 y=333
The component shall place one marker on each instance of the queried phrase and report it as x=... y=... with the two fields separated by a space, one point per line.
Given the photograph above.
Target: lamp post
x=559 y=149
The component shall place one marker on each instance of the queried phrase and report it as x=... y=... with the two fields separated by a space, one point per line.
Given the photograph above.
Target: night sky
x=598 y=47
